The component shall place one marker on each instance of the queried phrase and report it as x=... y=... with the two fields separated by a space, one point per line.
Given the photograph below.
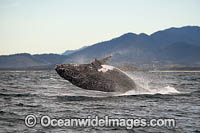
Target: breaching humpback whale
x=96 y=76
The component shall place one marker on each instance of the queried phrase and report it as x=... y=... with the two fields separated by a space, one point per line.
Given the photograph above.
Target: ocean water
x=168 y=95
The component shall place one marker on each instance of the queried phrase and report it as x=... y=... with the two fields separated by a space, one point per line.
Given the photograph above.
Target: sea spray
x=143 y=83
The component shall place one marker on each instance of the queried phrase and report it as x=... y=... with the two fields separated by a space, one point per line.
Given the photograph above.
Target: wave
x=7 y=113
x=78 y=98
x=26 y=105
x=165 y=90
x=17 y=95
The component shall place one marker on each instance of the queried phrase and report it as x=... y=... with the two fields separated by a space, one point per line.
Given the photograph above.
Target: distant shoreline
x=153 y=71
x=22 y=70
x=122 y=67
x=170 y=71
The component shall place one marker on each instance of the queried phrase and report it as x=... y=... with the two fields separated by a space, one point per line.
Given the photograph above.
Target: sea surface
x=169 y=95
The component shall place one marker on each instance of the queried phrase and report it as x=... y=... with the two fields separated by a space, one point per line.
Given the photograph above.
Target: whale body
x=96 y=76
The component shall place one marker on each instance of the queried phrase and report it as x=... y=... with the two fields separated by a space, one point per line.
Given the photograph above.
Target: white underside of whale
x=105 y=68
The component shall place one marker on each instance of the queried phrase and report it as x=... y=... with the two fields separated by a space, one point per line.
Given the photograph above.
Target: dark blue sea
x=170 y=95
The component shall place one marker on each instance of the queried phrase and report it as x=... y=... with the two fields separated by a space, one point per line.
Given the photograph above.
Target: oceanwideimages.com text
x=96 y=121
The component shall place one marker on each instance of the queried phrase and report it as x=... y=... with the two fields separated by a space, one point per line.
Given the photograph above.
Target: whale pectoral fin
x=99 y=62
x=104 y=60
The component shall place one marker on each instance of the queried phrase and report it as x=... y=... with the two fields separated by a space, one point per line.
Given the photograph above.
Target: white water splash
x=143 y=87
x=165 y=90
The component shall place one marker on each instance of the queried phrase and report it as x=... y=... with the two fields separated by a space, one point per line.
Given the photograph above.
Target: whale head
x=76 y=72
x=69 y=71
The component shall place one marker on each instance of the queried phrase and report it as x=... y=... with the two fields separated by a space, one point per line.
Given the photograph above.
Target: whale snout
x=60 y=68
x=66 y=69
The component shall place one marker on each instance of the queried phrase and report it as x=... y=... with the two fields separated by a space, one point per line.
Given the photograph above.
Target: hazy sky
x=53 y=26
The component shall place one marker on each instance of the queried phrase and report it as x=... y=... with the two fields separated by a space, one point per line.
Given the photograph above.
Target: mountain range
x=28 y=61
x=68 y=52
x=169 y=47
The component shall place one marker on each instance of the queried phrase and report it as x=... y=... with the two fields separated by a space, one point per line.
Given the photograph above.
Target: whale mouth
x=61 y=69
x=58 y=68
